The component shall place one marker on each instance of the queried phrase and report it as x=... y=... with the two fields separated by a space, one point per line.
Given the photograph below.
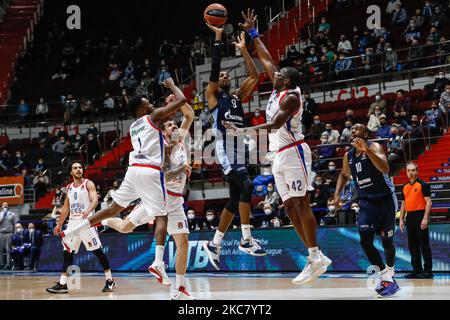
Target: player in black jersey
x=368 y=165
x=225 y=105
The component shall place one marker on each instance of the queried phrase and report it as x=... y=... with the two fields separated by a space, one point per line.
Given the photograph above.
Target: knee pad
x=246 y=192
x=102 y=258
x=68 y=260
x=232 y=205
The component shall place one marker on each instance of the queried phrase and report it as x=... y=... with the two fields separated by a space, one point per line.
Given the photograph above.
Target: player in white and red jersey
x=176 y=169
x=81 y=201
x=292 y=156
x=144 y=178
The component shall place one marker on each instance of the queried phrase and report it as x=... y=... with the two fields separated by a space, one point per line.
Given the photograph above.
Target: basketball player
x=80 y=203
x=176 y=170
x=292 y=161
x=226 y=105
x=368 y=165
x=144 y=178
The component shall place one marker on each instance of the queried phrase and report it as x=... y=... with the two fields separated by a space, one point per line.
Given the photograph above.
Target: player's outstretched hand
x=57 y=230
x=249 y=19
x=240 y=44
x=216 y=30
x=188 y=169
x=84 y=214
x=235 y=131
x=360 y=144
x=168 y=83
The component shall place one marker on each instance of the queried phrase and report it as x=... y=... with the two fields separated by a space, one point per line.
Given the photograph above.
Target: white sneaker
x=312 y=270
x=213 y=252
x=182 y=294
x=327 y=261
x=159 y=272
x=252 y=247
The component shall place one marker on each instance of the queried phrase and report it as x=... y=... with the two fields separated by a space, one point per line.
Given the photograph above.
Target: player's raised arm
x=342 y=180
x=93 y=198
x=250 y=82
x=63 y=216
x=171 y=107
x=188 y=118
x=213 y=85
x=261 y=50
x=375 y=153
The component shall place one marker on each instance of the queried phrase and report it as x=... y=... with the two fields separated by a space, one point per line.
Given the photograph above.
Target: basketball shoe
x=110 y=285
x=252 y=247
x=182 y=294
x=213 y=252
x=312 y=270
x=58 y=288
x=159 y=272
x=327 y=261
x=388 y=288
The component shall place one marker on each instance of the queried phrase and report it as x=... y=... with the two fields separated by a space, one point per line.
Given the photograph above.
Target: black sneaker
x=58 y=288
x=413 y=275
x=110 y=285
x=427 y=275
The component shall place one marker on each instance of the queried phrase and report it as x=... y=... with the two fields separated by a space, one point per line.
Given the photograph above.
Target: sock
x=218 y=236
x=246 y=235
x=108 y=275
x=159 y=254
x=81 y=227
x=179 y=280
x=105 y=222
x=391 y=270
x=63 y=279
x=314 y=253
x=385 y=275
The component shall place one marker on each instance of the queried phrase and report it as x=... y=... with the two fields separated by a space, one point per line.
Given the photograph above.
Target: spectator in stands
x=92 y=129
x=325 y=152
x=384 y=131
x=8 y=220
x=394 y=146
x=292 y=55
x=165 y=50
x=41 y=184
x=435 y=119
x=418 y=18
x=258 y=118
x=272 y=198
x=86 y=110
x=349 y=114
x=346 y=132
x=390 y=60
x=416 y=53
x=92 y=149
x=444 y=101
x=324 y=26
x=5 y=160
x=435 y=89
x=399 y=16
x=317 y=128
x=61 y=145
x=70 y=106
x=434 y=36
x=141 y=89
x=192 y=221
x=309 y=110
x=4 y=139
x=162 y=75
x=379 y=101
x=330 y=177
x=392 y=4
x=438 y=19
x=330 y=56
x=129 y=70
x=27 y=179
x=40 y=166
x=365 y=41
x=109 y=103
x=320 y=193
x=343 y=67
x=411 y=32
x=23 y=111
x=368 y=60
x=41 y=110
x=114 y=72
x=344 y=46
x=382 y=46
x=33 y=241
x=402 y=108
x=205 y=118
x=374 y=119
x=212 y=221
x=416 y=133
x=19 y=162
x=17 y=247
x=59 y=195
x=333 y=135
x=427 y=10
x=44 y=137
x=130 y=83
x=312 y=59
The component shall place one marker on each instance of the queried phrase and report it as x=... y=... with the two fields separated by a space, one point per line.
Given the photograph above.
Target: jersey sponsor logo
x=134 y=132
x=137 y=123
x=229 y=116
x=363 y=182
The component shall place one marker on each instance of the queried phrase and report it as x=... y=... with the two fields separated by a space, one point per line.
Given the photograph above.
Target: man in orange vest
x=416 y=203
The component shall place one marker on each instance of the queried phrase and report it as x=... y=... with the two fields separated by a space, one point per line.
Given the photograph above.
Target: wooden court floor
x=217 y=286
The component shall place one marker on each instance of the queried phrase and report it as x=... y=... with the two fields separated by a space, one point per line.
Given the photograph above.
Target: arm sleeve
x=215 y=61
x=426 y=191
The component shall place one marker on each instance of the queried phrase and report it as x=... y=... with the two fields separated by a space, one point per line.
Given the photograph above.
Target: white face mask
x=269 y=189
x=256 y=114
x=441 y=76
x=191 y=216
x=267 y=211
x=331 y=168
x=356 y=209
x=5 y=209
x=276 y=223
x=331 y=208
x=210 y=218
x=31 y=230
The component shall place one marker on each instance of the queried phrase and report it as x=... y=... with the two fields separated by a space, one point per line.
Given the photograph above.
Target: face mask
x=256 y=114
x=205 y=110
x=448 y=90
x=18 y=155
x=31 y=230
x=209 y=218
x=191 y=216
x=331 y=208
x=377 y=113
x=356 y=209
x=318 y=183
x=331 y=168
x=58 y=204
x=19 y=230
x=378 y=98
x=348 y=127
x=267 y=211
x=441 y=76
x=276 y=224
x=389 y=49
x=270 y=189
x=5 y=210
x=317 y=121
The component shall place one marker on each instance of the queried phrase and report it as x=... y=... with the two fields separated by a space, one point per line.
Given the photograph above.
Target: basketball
x=216 y=14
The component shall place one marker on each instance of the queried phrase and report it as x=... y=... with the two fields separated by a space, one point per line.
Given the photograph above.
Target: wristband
x=253 y=33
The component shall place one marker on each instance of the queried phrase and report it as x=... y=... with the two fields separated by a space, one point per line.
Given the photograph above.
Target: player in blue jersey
x=225 y=105
x=368 y=165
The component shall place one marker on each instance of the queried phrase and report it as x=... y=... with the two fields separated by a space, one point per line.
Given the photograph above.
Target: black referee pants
x=418 y=242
